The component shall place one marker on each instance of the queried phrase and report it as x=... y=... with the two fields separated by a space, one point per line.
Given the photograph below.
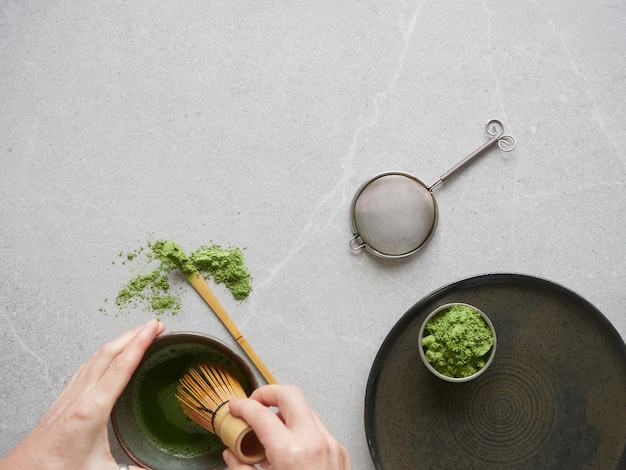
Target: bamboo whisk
x=203 y=394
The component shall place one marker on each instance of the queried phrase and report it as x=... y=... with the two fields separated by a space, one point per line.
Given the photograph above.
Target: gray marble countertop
x=252 y=125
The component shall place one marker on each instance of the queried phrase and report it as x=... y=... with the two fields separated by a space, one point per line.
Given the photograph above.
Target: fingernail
x=150 y=326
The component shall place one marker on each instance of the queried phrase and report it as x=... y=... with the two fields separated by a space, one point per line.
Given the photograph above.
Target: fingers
x=295 y=413
x=88 y=374
x=294 y=408
x=94 y=369
x=122 y=365
x=293 y=438
x=85 y=383
x=282 y=438
x=267 y=426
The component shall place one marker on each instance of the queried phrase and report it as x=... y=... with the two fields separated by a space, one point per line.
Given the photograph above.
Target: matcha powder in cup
x=457 y=341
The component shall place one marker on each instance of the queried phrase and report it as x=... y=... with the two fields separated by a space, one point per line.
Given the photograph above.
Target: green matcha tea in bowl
x=457 y=342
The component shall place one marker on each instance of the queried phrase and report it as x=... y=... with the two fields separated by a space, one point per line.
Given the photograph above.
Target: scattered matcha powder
x=154 y=290
x=227 y=266
x=172 y=256
x=457 y=341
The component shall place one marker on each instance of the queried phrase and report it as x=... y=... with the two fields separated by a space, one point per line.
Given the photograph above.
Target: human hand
x=295 y=438
x=72 y=434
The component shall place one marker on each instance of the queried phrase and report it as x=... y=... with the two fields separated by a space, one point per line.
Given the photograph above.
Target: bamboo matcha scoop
x=177 y=256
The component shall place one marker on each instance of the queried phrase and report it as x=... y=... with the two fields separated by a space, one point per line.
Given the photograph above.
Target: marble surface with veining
x=252 y=124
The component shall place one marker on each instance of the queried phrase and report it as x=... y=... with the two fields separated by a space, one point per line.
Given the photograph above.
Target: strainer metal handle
x=495 y=129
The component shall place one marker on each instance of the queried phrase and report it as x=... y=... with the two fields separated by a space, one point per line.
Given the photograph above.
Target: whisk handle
x=239 y=437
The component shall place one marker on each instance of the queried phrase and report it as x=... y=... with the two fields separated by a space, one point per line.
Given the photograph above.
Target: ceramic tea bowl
x=147 y=420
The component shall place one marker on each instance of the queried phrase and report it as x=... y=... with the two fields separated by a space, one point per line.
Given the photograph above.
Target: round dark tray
x=554 y=397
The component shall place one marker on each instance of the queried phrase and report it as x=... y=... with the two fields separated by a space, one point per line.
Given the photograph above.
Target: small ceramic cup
x=491 y=353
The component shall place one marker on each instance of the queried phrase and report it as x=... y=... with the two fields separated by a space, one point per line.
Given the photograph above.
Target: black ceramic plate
x=554 y=397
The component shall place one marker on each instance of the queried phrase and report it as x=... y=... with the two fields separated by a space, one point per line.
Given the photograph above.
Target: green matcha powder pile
x=457 y=341
x=153 y=289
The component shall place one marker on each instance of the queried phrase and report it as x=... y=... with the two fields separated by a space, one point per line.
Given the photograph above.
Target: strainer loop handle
x=495 y=129
x=356 y=243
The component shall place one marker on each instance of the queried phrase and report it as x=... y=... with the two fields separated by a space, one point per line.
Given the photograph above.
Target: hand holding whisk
x=203 y=393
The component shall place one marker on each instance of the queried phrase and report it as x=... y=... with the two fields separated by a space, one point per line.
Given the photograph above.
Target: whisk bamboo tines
x=203 y=393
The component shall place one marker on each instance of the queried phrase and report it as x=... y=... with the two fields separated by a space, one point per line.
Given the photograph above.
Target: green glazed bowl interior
x=177 y=443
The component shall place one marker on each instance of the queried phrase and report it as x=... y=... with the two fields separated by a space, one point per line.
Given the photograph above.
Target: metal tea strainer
x=394 y=214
